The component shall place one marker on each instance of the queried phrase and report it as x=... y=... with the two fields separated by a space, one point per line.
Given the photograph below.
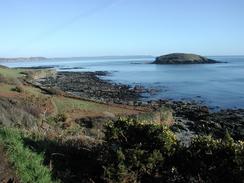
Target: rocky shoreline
x=190 y=118
x=195 y=119
x=88 y=85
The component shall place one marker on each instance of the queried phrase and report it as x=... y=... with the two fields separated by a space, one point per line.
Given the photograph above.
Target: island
x=183 y=58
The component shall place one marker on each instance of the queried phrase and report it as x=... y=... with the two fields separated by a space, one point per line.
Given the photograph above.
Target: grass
x=62 y=104
x=10 y=76
x=67 y=104
x=11 y=73
x=5 y=88
x=28 y=164
x=33 y=91
x=27 y=90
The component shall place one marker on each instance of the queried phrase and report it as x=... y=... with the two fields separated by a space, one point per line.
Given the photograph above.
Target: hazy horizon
x=122 y=27
x=109 y=56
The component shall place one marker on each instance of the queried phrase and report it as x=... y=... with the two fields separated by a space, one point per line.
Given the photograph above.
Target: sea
x=219 y=86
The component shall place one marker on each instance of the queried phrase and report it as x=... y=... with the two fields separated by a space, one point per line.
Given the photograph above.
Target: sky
x=66 y=28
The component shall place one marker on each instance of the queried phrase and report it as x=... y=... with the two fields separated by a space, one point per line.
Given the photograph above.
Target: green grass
x=10 y=76
x=66 y=104
x=11 y=73
x=33 y=91
x=27 y=163
x=9 y=88
x=5 y=88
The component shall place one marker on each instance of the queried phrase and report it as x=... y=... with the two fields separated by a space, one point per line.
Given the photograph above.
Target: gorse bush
x=137 y=152
x=131 y=152
x=210 y=160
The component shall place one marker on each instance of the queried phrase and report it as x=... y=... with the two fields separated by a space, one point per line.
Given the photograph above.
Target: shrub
x=61 y=117
x=54 y=91
x=131 y=152
x=210 y=160
x=135 y=150
x=18 y=89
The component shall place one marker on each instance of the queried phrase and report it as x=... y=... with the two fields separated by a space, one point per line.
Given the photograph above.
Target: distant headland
x=183 y=58
x=2 y=59
x=23 y=58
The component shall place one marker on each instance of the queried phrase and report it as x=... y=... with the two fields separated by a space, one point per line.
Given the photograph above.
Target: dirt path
x=7 y=174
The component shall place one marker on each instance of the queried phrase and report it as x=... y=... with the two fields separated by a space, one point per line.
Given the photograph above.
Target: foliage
x=6 y=88
x=131 y=152
x=27 y=163
x=139 y=152
x=64 y=104
x=61 y=117
x=10 y=73
x=136 y=150
x=13 y=114
x=69 y=159
x=18 y=89
x=162 y=115
x=210 y=160
x=10 y=76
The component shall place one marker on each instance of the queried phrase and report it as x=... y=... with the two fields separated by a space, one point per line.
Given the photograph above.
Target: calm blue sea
x=217 y=85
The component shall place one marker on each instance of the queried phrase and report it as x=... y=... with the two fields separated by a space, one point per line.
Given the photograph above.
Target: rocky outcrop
x=88 y=85
x=196 y=119
x=183 y=58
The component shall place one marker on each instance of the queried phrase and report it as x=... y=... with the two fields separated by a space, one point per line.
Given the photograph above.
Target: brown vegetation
x=7 y=172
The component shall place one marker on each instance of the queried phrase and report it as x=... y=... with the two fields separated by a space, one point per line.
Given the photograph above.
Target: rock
x=130 y=103
x=89 y=86
x=199 y=120
x=183 y=58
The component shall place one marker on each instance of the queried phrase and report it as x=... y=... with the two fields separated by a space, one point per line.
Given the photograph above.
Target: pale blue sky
x=120 y=27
